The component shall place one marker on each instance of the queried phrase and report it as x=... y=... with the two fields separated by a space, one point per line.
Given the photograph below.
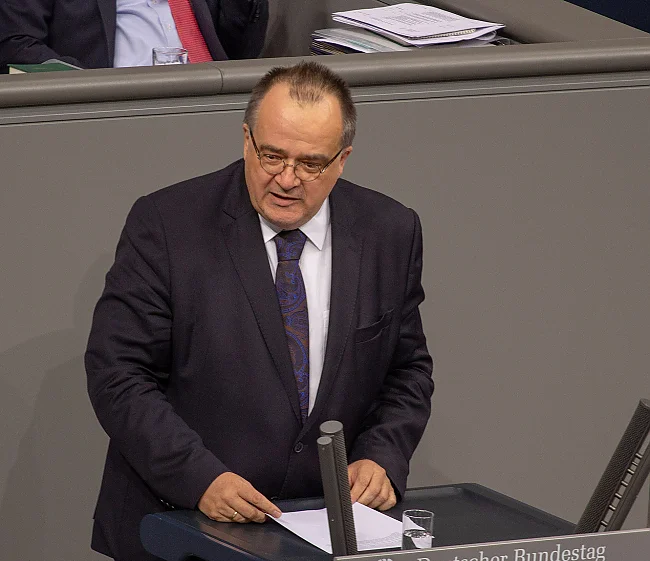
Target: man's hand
x=370 y=485
x=230 y=498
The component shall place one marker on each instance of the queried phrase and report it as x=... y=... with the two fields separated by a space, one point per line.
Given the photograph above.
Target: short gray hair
x=308 y=82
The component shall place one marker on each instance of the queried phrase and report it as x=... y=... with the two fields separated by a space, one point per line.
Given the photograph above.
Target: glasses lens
x=272 y=165
x=305 y=174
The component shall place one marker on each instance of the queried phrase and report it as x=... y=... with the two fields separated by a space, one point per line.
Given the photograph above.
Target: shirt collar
x=315 y=229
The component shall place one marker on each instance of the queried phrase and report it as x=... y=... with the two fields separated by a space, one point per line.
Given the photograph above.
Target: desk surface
x=465 y=513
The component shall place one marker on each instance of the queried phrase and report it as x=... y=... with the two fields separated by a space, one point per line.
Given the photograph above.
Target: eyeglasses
x=305 y=171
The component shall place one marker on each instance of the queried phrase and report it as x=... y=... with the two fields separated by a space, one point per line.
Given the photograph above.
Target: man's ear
x=344 y=157
x=247 y=133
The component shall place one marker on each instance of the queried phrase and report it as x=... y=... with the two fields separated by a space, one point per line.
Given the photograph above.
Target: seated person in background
x=116 y=33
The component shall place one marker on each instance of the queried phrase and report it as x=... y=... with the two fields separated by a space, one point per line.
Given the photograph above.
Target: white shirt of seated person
x=140 y=26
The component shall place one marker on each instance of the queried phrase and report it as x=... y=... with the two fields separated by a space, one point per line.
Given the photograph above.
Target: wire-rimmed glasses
x=305 y=171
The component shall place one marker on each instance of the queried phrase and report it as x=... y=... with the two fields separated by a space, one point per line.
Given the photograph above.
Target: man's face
x=296 y=133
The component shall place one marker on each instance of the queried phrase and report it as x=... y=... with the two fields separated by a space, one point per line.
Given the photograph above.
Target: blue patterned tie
x=293 y=304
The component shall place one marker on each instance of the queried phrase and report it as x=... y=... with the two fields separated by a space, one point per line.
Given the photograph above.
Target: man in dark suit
x=246 y=307
x=83 y=32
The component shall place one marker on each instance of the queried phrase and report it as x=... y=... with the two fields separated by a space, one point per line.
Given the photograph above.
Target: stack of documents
x=343 y=41
x=416 y=25
x=336 y=41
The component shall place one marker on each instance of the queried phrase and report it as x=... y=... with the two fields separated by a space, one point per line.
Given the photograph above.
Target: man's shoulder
x=370 y=205
x=193 y=203
x=194 y=197
x=200 y=189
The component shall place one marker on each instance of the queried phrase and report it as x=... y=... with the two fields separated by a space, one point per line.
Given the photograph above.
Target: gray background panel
x=534 y=202
x=291 y=21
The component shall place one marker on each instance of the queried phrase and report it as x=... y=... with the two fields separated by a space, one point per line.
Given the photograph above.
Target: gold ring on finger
x=234 y=515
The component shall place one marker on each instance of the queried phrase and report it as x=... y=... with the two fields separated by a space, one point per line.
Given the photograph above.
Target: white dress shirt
x=316 y=269
x=141 y=25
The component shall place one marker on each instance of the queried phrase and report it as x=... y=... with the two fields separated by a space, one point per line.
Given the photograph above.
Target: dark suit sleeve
x=128 y=361
x=24 y=32
x=399 y=415
x=241 y=27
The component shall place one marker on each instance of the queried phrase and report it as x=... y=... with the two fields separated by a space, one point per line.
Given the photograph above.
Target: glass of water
x=168 y=55
x=417 y=529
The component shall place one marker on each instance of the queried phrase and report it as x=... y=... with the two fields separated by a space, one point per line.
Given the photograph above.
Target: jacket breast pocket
x=367 y=333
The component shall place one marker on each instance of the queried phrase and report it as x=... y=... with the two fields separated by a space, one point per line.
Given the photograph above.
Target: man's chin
x=285 y=219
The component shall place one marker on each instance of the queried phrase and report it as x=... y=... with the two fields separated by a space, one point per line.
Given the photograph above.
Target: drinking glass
x=168 y=55
x=417 y=529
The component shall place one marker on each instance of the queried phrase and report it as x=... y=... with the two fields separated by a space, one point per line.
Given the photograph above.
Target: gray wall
x=631 y=12
x=291 y=22
x=538 y=21
x=534 y=199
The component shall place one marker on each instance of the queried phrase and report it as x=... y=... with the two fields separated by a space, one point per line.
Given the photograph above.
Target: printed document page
x=415 y=23
x=365 y=42
x=374 y=529
x=457 y=37
x=361 y=41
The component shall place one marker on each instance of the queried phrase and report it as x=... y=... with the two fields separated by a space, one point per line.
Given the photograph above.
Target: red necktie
x=188 y=31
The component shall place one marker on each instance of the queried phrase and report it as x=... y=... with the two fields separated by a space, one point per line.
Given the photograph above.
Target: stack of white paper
x=417 y=25
x=374 y=530
x=337 y=41
x=330 y=41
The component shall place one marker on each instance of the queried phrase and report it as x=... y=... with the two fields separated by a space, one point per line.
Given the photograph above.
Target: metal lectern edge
x=175 y=540
x=506 y=500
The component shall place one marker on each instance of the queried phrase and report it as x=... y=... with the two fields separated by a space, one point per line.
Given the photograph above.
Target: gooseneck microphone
x=336 y=488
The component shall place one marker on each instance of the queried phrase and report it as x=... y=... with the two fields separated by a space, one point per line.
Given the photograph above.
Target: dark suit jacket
x=188 y=364
x=82 y=32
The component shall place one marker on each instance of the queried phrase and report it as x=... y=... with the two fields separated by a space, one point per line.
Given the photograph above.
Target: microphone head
x=330 y=428
x=324 y=441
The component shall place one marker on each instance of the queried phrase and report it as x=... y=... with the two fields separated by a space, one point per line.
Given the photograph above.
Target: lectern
x=465 y=513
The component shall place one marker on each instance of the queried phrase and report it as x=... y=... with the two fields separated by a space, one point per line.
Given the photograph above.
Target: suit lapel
x=346 y=262
x=108 y=13
x=206 y=20
x=243 y=237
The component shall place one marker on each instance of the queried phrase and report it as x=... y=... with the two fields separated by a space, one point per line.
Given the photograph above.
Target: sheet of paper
x=415 y=22
x=374 y=529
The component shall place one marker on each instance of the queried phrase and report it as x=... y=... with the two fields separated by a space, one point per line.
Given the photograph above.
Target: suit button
x=298 y=447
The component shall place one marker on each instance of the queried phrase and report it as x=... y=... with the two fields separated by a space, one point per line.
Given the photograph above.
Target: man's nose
x=287 y=179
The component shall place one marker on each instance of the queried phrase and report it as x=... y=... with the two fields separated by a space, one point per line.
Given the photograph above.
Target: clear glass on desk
x=168 y=55
x=417 y=529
